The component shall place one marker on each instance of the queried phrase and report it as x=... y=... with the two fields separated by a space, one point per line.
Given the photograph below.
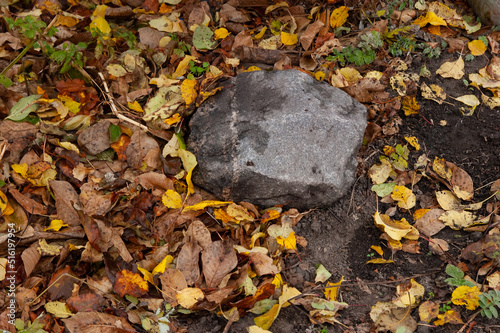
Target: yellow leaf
x=261 y=33
x=69 y=146
x=339 y=16
x=413 y=141
x=188 y=297
x=447 y=200
x=458 y=219
x=319 y=75
x=160 y=268
x=252 y=69
x=410 y=105
x=380 y=261
x=409 y=295
x=377 y=249
x=277 y=281
x=404 y=196
x=276 y=6
x=449 y=317
x=395 y=229
x=173 y=120
x=351 y=74
x=288 y=39
x=440 y=167
x=56 y=225
x=257 y=329
x=189 y=91
x=205 y=204
x=468 y=296
x=58 y=309
x=5 y=206
x=380 y=172
x=3 y=266
x=255 y=237
x=429 y=18
x=135 y=106
x=428 y=311
x=452 y=69
x=469 y=100
x=266 y=320
x=221 y=33
x=238 y=212
x=183 y=66
x=332 y=288
x=70 y=103
x=98 y=21
x=289 y=243
x=419 y=213
x=147 y=276
x=172 y=199
x=477 y=47
x=188 y=162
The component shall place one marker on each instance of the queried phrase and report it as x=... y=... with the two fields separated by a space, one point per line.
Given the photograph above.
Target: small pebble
x=475 y=236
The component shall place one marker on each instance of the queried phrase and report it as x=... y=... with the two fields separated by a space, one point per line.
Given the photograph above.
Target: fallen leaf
x=477 y=47
x=188 y=297
x=172 y=199
x=468 y=296
x=217 y=261
x=404 y=196
x=452 y=69
x=449 y=317
x=427 y=311
x=129 y=283
x=339 y=16
x=322 y=274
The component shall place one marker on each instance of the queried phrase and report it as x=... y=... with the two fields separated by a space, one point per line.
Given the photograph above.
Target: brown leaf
x=172 y=281
x=188 y=260
x=30 y=258
x=140 y=145
x=86 y=302
x=66 y=199
x=312 y=30
x=429 y=224
x=218 y=260
x=461 y=182
x=19 y=136
x=62 y=284
x=95 y=139
x=263 y=264
x=155 y=180
x=93 y=322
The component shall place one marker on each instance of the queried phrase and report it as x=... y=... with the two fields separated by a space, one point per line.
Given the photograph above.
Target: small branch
x=115 y=109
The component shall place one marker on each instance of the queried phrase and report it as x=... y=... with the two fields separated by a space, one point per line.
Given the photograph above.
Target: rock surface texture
x=277 y=138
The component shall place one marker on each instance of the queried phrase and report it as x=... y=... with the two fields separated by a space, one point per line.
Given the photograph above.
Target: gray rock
x=277 y=138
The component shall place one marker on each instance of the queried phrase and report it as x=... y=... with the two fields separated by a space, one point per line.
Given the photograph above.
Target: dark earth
x=339 y=237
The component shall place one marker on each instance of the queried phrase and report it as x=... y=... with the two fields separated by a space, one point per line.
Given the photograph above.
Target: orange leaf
x=129 y=283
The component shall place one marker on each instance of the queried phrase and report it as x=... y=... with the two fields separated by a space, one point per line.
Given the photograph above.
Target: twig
x=115 y=109
x=468 y=321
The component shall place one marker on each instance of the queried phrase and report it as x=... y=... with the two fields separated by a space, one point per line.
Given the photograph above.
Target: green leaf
x=202 y=38
x=23 y=107
x=2 y=183
x=383 y=189
x=114 y=133
x=5 y=81
x=454 y=271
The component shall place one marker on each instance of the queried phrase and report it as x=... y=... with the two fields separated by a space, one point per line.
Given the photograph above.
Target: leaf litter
x=95 y=185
